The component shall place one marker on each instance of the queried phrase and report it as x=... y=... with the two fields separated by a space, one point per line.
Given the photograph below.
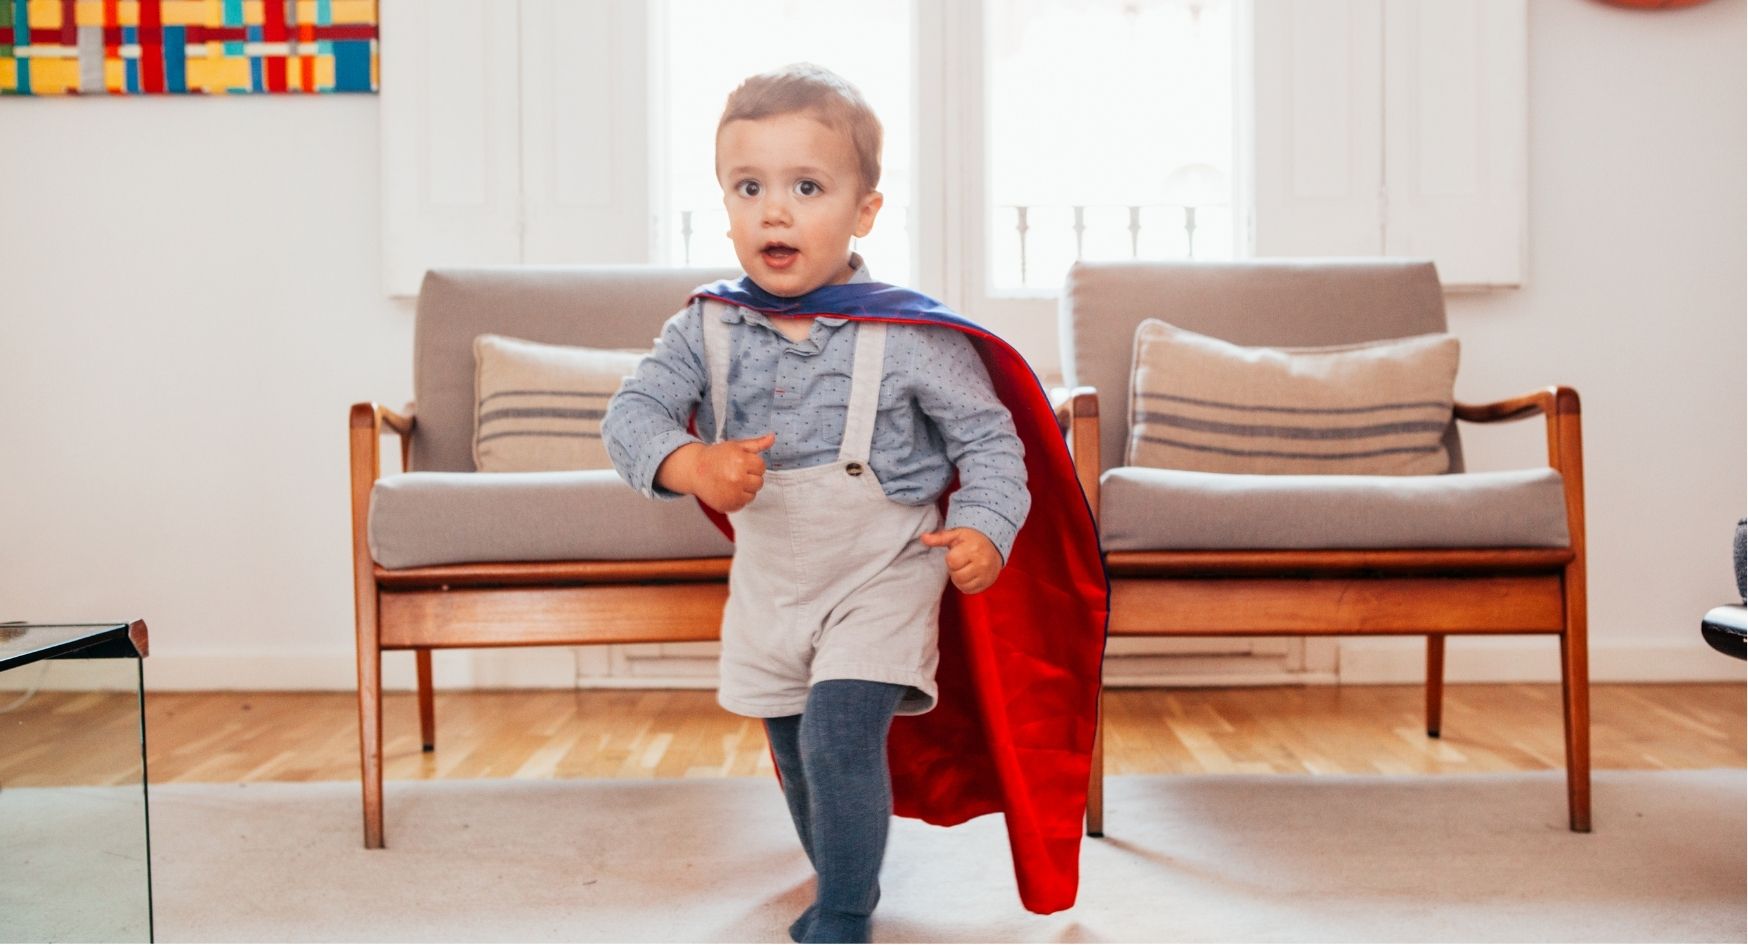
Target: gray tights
x=832 y=758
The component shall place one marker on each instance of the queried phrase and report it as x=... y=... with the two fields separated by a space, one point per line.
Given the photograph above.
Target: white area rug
x=1188 y=858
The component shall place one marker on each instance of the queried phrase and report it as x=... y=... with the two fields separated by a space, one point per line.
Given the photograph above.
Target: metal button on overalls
x=854 y=469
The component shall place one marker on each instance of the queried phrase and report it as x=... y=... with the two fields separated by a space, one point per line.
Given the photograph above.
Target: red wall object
x=1653 y=4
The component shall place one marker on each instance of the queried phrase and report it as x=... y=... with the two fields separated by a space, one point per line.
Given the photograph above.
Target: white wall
x=189 y=301
x=1635 y=297
x=190 y=304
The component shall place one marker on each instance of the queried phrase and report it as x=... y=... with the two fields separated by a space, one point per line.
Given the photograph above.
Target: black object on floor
x=1723 y=627
x=1726 y=629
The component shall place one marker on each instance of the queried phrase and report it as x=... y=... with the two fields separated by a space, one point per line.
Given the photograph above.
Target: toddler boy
x=829 y=441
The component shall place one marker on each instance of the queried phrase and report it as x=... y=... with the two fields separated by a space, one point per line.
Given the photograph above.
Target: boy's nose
x=776 y=211
x=774 y=203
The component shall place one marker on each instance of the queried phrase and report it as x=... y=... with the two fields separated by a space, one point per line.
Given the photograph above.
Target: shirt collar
x=861 y=273
x=735 y=313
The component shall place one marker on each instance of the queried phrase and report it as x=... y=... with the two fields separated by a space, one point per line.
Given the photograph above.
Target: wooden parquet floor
x=77 y=738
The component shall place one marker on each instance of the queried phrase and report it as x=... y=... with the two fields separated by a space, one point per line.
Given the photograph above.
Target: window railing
x=1145 y=226
x=1135 y=219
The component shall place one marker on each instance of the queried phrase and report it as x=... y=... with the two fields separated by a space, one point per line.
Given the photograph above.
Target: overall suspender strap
x=716 y=355
x=864 y=404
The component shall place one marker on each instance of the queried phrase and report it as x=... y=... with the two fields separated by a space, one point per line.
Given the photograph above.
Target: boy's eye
x=747 y=188
x=806 y=188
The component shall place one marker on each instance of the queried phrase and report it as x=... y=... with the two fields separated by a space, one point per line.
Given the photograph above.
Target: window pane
x=713 y=45
x=1121 y=108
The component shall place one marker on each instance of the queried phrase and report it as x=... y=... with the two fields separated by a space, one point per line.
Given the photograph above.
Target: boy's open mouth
x=779 y=255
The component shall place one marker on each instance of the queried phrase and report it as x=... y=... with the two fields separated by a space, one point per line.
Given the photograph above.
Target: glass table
x=75 y=838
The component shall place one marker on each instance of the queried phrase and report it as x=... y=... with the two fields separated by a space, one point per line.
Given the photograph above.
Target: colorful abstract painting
x=216 y=47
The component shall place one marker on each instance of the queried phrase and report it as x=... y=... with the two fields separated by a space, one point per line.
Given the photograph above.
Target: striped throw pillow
x=1376 y=408
x=538 y=407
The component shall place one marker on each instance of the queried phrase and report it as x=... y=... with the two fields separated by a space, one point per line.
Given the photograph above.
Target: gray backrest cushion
x=1281 y=302
x=618 y=306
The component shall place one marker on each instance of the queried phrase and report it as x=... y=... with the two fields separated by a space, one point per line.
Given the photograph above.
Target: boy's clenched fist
x=972 y=559
x=724 y=475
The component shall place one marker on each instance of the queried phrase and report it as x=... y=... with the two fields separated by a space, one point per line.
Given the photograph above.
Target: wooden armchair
x=1425 y=590
x=656 y=572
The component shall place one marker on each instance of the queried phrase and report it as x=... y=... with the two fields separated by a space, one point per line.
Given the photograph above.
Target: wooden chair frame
x=1432 y=592
x=540 y=603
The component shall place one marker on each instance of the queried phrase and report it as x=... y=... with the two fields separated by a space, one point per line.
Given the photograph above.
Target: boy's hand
x=972 y=559
x=724 y=475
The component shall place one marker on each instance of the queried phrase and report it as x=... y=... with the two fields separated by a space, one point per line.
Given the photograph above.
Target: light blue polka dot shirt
x=937 y=410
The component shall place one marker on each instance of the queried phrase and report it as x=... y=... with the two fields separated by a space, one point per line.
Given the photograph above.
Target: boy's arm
x=953 y=388
x=646 y=418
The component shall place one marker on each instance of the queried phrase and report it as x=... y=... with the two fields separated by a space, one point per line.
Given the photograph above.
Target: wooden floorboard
x=86 y=738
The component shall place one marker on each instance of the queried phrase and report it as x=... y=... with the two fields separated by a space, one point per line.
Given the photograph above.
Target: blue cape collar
x=846 y=300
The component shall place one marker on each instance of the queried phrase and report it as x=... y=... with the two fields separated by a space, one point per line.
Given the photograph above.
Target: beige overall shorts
x=830 y=579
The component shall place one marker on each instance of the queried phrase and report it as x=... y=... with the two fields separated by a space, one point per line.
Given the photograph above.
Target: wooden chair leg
x=370 y=718
x=1575 y=689
x=427 y=700
x=1095 y=789
x=1435 y=682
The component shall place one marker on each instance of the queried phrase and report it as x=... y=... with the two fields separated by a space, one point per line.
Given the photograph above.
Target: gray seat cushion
x=427 y=518
x=1146 y=509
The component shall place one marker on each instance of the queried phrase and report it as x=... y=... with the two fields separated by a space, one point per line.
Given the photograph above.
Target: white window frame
x=1393 y=127
x=1428 y=156
x=953 y=196
x=499 y=149
x=954 y=200
x=1424 y=102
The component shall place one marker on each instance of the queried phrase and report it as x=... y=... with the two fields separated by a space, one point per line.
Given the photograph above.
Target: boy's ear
x=865 y=214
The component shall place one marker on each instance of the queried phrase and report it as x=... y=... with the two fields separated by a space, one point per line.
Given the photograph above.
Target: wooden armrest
x=1548 y=401
x=1071 y=402
x=1559 y=405
x=373 y=417
x=366 y=421
x=1077 y=414
x=400 y=423
x=376 y=416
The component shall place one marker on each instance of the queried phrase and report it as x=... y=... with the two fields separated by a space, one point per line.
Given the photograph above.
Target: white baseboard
x=1362 y=662
x=1531 y=659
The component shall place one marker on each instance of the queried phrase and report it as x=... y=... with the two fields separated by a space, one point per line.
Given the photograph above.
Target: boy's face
x=794 y=199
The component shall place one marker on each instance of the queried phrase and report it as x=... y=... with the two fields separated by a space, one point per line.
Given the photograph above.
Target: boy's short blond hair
x=821 y=94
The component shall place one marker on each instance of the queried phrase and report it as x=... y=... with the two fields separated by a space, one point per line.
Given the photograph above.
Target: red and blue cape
x=1012 y=730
